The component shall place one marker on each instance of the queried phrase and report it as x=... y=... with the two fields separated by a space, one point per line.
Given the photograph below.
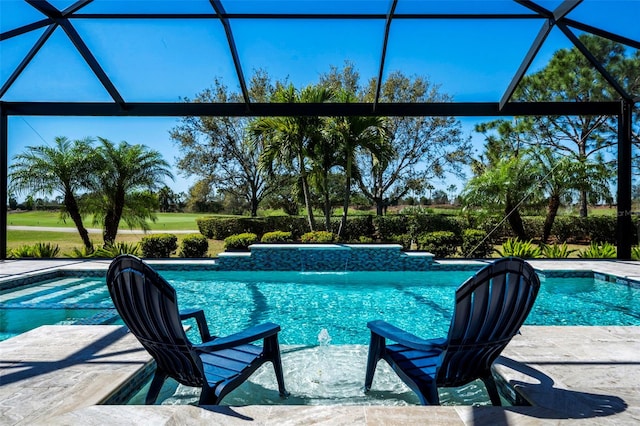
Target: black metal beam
x=541 y=11
x=383 y=54
x=526 y=62
x=46 y=8
x=602 y=33
x=75 y=7
x=4 y=164
x=217 y=6
x=305 y=16
x=25 y=29
x=27 y=59
x=565 y=8
x=597 y=65
x=444 y=109
x=625 y=224
x=91 y=61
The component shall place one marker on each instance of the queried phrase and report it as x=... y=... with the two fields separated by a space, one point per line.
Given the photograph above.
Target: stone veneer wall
x=325 y=257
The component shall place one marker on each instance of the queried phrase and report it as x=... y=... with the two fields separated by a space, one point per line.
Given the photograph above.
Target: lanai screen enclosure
x=233 y=33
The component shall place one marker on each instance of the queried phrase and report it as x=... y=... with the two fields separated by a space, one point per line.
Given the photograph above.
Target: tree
x=61 y=168
x=122 y=183
x=504 y=175
x=289 y=141
x=425 y=147
x=220 y=149
x=569 y=76
x=353 y=135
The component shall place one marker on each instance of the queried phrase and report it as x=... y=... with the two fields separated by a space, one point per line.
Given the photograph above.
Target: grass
x=166 y=221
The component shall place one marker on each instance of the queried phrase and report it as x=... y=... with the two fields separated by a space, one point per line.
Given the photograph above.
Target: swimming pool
x=319 y=307
x=323 y=316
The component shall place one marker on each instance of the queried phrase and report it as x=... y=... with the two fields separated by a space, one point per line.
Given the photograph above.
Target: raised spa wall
x=325 y=257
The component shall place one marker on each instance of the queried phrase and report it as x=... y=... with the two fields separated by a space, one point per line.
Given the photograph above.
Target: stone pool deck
x=58 y=375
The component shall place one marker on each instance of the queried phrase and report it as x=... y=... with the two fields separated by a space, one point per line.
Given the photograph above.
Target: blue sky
x=161 y=60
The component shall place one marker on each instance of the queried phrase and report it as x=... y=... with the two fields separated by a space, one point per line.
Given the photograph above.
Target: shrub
x=194 y=245
x=22 y=251
x=403 y=239
x=240 y=241
x=556 y=251
x=635 y=252
x=117 y=249
x=475 y=243
x=426 y=223
x=39 y=250
x=440 y=243
x=517 y=248
x=276 y=237
x=159 y=245
x=596 y=251
x=318 y=237
x=81 y=253
x=387 y=226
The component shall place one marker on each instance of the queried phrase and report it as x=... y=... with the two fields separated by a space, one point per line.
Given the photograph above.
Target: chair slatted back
x=148 y=306
x=490 y=308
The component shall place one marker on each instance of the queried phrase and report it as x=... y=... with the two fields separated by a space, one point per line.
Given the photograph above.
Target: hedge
x=158 y=245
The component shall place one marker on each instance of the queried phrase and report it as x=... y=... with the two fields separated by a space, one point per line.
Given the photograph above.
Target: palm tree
x=353 y=134
x=290 y=140
x=122 y=183
x=61 y=168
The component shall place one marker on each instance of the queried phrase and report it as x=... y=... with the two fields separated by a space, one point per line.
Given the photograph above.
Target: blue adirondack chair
x=148 y=306
x=490 y=308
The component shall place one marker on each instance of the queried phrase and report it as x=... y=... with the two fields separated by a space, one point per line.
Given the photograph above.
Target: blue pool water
x=312 y=307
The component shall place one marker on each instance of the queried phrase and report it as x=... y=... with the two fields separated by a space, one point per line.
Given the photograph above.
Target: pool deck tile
x=57 y=375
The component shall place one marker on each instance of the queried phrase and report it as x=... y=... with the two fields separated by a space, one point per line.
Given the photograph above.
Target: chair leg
x=272 y=349
x=428 y=394
x=376 y=348
x=154 y=388
x=492 y=389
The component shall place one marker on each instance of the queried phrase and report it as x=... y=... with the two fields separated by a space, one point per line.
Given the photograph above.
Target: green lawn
x=166 y=221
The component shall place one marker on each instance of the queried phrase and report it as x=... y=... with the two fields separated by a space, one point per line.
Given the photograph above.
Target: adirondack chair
x=490 y=309
x=148 y=306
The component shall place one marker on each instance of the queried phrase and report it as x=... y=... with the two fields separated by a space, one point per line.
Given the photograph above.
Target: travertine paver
x=55 y=369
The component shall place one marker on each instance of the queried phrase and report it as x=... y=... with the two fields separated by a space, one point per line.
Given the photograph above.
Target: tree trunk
x=74 y=213
x=307 y=200
x=583 y=203
x=254 y=206
x=552 y=212
x=515 y=220
x=345 y=205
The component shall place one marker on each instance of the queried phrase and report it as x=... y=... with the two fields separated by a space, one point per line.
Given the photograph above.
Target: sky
x=166 y=61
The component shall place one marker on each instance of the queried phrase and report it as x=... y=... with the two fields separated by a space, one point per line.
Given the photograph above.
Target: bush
x=403 y=239
x=219 y=228
x=596 y=251
x=319 y=237
x=427 y=223
x=635 y=252
x=159 y=245
x=194 y=245
x=277 y=237
x=439 y=243
x=387 y=226
x=240 y=241
x=556 y=251
x=475 y=243
x=517 y=248
x=39 y=250
x=117 y=249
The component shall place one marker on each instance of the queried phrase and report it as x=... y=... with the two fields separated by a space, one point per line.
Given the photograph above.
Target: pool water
x=332 y=307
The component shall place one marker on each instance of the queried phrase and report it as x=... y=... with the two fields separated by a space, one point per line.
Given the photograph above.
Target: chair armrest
x=243 y=337
x=198 y=314
x=391 y=332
